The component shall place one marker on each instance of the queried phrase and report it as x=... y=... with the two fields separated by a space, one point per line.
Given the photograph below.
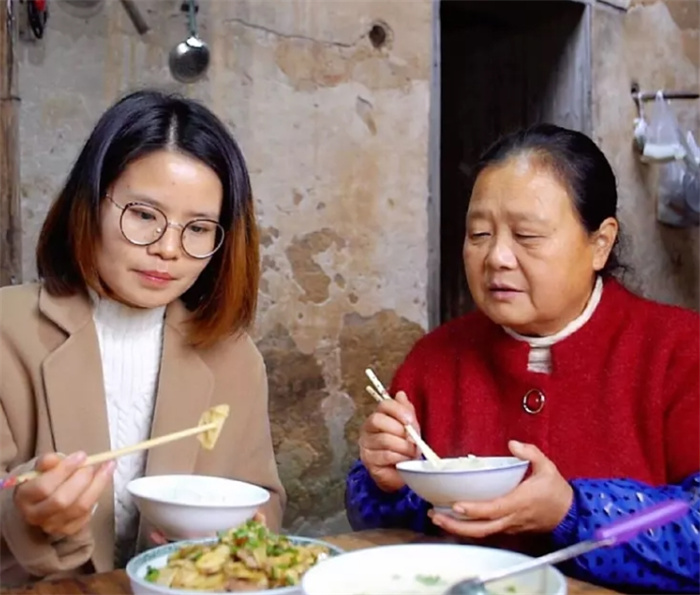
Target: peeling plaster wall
x=335 y=132
x=336 y=136
x=657 y=44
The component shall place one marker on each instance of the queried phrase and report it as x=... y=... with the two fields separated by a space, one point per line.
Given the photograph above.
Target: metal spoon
x=189 y=59
x=615 y=533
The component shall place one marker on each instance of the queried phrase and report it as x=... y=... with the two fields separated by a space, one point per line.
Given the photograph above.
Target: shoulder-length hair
x=223 y=298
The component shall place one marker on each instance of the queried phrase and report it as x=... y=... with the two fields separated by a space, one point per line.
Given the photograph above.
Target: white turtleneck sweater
x=540 y=357
x=130 y=342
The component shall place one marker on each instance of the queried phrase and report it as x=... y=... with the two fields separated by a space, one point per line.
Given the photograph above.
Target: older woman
x=149 y=276
x=562 y=366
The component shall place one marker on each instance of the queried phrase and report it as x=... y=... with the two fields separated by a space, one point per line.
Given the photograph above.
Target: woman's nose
x=168 y=246
x=501 y=255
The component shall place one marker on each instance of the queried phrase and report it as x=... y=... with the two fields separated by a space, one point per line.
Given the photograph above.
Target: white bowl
x=192 y=506
x=394 y=570
x=442 y=487
x=157 y=557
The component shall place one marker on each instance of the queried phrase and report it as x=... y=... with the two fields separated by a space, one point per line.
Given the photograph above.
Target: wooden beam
x=10 y=216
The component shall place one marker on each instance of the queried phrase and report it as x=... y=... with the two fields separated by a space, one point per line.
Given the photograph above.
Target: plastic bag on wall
x=663 y=137
x=679 y=174
x=677 y=185
x=692 y=177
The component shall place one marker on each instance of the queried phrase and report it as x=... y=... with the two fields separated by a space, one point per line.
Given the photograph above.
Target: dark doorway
x=504 y=64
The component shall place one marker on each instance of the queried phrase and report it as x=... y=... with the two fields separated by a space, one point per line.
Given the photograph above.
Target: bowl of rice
x=462 y=479
x=194 y=506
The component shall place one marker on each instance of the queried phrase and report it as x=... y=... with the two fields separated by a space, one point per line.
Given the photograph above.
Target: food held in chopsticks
x=216 y=416
x=248 y=558
x=207 y=432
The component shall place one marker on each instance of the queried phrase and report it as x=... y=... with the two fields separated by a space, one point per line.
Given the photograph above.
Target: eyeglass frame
x=168 y=224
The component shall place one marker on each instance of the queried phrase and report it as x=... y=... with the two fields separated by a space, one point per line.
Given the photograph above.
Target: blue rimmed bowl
x=157 y=557
x=462 y=479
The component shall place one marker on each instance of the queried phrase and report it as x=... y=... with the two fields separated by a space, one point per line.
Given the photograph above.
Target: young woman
x=562 y=366
x=149 y=272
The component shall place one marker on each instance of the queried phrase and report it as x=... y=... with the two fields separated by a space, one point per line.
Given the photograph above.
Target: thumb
x=158 y=538
x=48 y=461
x=528 y=452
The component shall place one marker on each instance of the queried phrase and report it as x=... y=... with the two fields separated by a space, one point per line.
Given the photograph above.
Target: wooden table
x=117 y=583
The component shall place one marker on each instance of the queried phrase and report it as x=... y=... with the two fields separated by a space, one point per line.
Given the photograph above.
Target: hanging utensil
x=189 y=59
x=136 y=17
x=614 y=533
x=81 y=9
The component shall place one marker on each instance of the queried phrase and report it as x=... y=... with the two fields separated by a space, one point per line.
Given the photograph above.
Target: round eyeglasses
x=143 y=224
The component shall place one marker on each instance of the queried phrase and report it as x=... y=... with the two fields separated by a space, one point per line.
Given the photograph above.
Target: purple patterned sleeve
x=368 y=507
x=665 y=560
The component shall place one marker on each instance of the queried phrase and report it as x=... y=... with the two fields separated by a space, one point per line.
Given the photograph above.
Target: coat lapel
x=185 y=390
x=185 y=387
x=76 y=401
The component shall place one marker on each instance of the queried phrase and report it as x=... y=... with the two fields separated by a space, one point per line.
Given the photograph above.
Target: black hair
x=578 y=163
x=224 y=295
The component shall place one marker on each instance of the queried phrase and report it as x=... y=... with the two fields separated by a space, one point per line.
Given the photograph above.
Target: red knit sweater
x=622 y=400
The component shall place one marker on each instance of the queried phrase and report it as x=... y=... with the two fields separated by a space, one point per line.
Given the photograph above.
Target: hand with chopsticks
x=384 y=442
x=61 y=499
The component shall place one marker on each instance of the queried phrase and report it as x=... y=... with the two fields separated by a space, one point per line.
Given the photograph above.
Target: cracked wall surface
x=335 y=132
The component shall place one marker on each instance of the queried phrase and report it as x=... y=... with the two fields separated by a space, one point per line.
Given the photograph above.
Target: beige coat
x=52 y=397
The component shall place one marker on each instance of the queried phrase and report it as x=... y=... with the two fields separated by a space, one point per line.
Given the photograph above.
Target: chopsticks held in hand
x=207 y=431
x=379 y=393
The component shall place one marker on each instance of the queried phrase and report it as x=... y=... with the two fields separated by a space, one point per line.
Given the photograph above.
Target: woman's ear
x=603 y=242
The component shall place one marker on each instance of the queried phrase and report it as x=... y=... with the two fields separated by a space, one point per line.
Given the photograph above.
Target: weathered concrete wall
x=336 y=136
x=657 y=44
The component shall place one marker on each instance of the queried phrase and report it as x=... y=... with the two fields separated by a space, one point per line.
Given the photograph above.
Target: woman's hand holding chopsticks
x=383 y=441
x=60 y=501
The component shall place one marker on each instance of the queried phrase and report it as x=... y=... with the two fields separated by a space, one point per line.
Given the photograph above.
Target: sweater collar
x=115 y=315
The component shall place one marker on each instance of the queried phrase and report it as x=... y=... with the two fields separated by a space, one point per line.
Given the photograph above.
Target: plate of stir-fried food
x=247 y=558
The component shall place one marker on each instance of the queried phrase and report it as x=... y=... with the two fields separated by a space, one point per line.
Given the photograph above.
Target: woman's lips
x=155 y=277
x=503 y=292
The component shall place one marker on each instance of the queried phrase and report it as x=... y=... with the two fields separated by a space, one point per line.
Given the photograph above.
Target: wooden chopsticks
x=207 y=430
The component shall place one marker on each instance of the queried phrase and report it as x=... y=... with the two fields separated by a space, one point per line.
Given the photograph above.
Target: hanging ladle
x=189 y=59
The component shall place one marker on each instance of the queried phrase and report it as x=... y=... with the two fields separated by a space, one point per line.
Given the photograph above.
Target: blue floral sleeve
x=368 y=507
x=666 y=559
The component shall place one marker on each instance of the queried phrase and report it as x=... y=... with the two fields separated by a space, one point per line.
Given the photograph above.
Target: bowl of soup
x=248 y=558
x=194 y=506
x=462 y=479
x=426 y=569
